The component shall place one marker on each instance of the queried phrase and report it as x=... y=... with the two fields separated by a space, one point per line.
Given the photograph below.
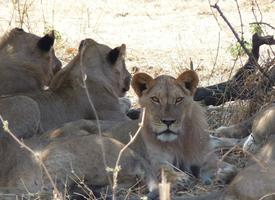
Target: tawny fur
x=67 y=161
x=24 y=66
x=190 y=124
x=67 y=100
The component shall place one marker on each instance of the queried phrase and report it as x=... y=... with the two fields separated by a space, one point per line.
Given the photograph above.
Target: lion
x=174 y=126
x=69 y=164
x=173 y=123
x=27 y=63
x=106 y=79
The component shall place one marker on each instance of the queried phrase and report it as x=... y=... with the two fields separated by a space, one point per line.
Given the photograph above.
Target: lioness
x=174 y=129
x=70 y=161
x=173 y=124
x=106 y=79
x=27 y=61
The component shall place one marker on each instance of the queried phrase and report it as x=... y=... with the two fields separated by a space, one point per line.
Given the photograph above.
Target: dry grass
x=161 y=37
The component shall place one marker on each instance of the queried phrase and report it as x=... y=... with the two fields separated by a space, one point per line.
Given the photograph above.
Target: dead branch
x=250 y=55
x=231 y=28
x=84 y=77
x=117 y=168
x=258 y=7
x=241 y=20
x=267 y=196
x=263 y=23
x=235 y=88
x=164 y=187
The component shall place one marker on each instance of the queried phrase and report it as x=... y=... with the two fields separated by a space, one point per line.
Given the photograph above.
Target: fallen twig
x=84 y=77
x=267 y=195
x=117 y=168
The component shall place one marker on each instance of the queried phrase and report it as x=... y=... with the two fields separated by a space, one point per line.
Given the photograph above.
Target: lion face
x=167 y=102
x=101 y=61
x=33 y=53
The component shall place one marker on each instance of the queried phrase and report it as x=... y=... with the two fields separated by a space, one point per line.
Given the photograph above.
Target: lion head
x=168 y=102
x=112 y=63
x=101 y=64
x=30 y=53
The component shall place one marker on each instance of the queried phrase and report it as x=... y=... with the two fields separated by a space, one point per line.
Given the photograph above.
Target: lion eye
x=155 y=99
x=179 y=99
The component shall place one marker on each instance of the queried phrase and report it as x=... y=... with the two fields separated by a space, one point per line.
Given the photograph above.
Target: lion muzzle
x=167 y=136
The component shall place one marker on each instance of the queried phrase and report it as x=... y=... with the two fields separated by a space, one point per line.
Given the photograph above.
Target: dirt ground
x=161 y=36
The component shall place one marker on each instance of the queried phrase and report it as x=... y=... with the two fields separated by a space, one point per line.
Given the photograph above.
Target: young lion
x=174 y=125
x=27 y=61
x=174 y=128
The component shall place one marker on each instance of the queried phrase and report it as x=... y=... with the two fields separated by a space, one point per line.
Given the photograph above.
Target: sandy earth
x=161 y=35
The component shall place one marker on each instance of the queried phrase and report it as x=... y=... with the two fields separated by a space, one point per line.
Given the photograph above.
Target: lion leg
x=214 y=169
x=239 y=130
x=226 y=172
x=223 y=172
x=222 y=142
x=245 y=127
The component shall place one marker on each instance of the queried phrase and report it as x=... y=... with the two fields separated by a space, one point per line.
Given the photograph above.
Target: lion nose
x=168 y=122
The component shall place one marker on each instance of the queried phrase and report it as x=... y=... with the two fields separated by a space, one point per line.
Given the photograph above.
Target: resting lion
x=106 y=79
x=174 y=129
x=68 y=161
x=174 y=125
x=27 y=62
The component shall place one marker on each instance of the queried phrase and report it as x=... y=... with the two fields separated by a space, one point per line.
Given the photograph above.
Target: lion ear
x=189 y=79
x=115 y=53
x=45 y=43
x=141 y=82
